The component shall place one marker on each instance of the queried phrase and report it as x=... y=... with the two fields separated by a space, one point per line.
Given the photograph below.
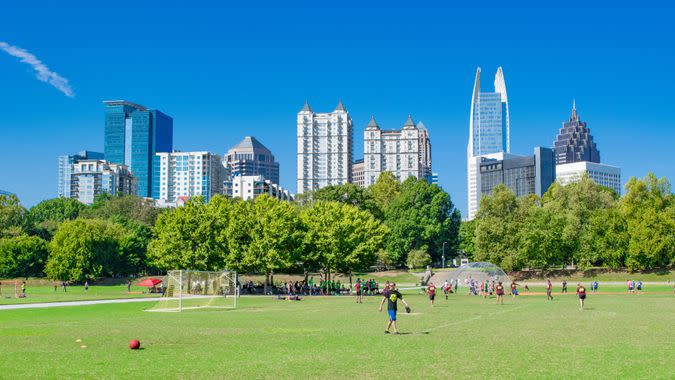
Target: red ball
x=134 y=344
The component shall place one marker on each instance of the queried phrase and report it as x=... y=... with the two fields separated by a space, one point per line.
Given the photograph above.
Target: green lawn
x=43 y=293
x=618 y=336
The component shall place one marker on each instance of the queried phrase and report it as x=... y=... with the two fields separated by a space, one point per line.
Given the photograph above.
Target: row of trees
x=336 y=229
x=581 y=224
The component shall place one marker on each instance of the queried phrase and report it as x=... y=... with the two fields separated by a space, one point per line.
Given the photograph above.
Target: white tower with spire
x=325 y=148
x=489 y=133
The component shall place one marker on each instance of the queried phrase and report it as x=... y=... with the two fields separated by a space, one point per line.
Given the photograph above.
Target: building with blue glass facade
x=66 y=168
x=489 y=131
x=133 y=134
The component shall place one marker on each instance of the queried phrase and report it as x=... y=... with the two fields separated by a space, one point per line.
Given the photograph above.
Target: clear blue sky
x=224 y=72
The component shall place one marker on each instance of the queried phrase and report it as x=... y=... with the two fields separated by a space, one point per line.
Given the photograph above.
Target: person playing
x=392 y=297
x=564 y=287
x=595 y=286
x=23 y=289
x=639 y=286
x=86 y=286
x=431 y=291
x=514 y=289
x=128 y=286
x=357 y=288
x=499 y=290
x=447 y=288
x=581 y=292
x=385 y=291
x=549 y=289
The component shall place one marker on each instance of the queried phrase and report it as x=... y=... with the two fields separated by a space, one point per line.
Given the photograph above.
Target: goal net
x=193 y=290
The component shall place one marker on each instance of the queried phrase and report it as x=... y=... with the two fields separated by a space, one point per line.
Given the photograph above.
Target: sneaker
x=386 y=332
x=395 y=332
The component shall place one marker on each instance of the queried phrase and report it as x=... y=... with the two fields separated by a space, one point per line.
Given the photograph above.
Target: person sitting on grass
x=392 y=297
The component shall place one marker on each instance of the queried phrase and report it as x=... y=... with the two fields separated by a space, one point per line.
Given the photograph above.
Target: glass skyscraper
x=133 y=134
x=489 y=131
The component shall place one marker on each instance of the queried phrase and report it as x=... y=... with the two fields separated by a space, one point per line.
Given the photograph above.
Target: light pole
x=443 y=257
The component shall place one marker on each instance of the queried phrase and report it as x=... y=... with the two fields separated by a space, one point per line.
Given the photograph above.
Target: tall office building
x=574 y=142
x=522 y=174
x=66 y=167
x=133 y=134
x=251 y=158
x=576 y=154
x=324 y=148
x=489 y=130
x=91 y=177
x=187 y=174
x=404 y=152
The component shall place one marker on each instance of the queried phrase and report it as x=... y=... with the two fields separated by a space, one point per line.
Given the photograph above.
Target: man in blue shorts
x=392 y=297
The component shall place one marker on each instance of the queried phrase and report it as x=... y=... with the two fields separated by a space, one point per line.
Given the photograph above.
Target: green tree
x=604 y=240
x=22 y=256
x=385 y=190
x=340 y=237
x=423 y=217
x=131 y=207
x=349 y=194
x=46 y=215
x=12 y=216
x=191 y=237
x=264 y=235
x=417 y=259
x=540 y=241
x=85 y=249
x=467 y=236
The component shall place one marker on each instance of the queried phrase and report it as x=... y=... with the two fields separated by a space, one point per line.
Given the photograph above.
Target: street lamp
x=443 y=265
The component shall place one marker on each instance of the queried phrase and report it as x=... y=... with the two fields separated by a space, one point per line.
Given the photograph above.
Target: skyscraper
x=133 y=134
x=324 y=148
x=404 y=152
x=489 y=130
x=66 y=167
x=251 y=158
x=574 y=142
x=187 y=174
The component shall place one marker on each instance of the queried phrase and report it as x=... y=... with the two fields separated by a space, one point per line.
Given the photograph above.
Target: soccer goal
x=193 y=290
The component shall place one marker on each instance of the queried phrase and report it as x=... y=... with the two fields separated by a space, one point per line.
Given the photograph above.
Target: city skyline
x=614 y=85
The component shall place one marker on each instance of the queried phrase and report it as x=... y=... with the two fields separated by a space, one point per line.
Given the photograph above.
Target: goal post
x=191 y=290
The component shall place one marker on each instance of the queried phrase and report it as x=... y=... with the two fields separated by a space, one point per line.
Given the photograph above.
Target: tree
x=540 y=238
x=46 y=215
x=22 y=256
x=423 y=217
x=340 y=237
x=12 y=216
x=467 y=236
x=191 y=237
x=85 y=249
x=385 y=189
x=264 y=235
x=131 y=207
x=604 y=240
x=349 y=194
x=417 y=259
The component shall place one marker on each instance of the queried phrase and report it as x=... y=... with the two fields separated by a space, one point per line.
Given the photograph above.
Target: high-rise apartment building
x=522 y=174
x=358 y=173
x=324 y=148
x=187 y=174
x=91 y=177
x=133 y=134
x=66 y=167
x=404 y=152
x=489 y=131
x=574 y=142
x=251 y=158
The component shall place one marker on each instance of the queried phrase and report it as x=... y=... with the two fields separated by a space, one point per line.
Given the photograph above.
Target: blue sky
x=225 y=71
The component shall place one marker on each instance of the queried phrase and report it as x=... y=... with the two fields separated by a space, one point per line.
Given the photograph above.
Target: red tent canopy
x=149 y=282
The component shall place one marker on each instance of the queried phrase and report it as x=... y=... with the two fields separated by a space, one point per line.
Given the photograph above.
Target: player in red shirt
x=499 y=290
x=581 y=292
x=431 y=291
x=514 y=289
x=549 y=289
x=357 y=288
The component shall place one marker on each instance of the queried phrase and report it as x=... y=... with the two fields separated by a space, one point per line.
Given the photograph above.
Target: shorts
x=358 y=292
x=582 y=296
x=392 y=314
x=515 y=292
x=500 y=293
x=432 y=296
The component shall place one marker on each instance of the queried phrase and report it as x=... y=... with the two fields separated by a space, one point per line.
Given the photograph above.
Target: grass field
x=618 y=336
x=43 y=293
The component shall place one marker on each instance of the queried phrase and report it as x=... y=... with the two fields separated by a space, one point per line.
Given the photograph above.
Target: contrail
x=41 y=70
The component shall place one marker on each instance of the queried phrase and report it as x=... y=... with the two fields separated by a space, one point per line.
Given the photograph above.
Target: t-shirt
x=357 y=286
x=431 y=289
x=548 y=286
x=581 y=291
x=513 y=285
x=500 y=290
x=392 y=298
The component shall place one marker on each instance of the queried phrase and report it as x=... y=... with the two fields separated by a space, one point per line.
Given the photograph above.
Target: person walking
x=392 y=297
x=431 y=291
x=549 y=289
x=86 y=286
x=499 y=290
x=357 y=288
x=23 y=289
x=581 y=292
x=564 y=287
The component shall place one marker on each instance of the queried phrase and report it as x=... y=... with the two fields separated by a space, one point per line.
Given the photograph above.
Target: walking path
x=72 y=303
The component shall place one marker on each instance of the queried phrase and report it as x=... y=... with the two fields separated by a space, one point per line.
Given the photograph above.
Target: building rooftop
x=113 y=103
